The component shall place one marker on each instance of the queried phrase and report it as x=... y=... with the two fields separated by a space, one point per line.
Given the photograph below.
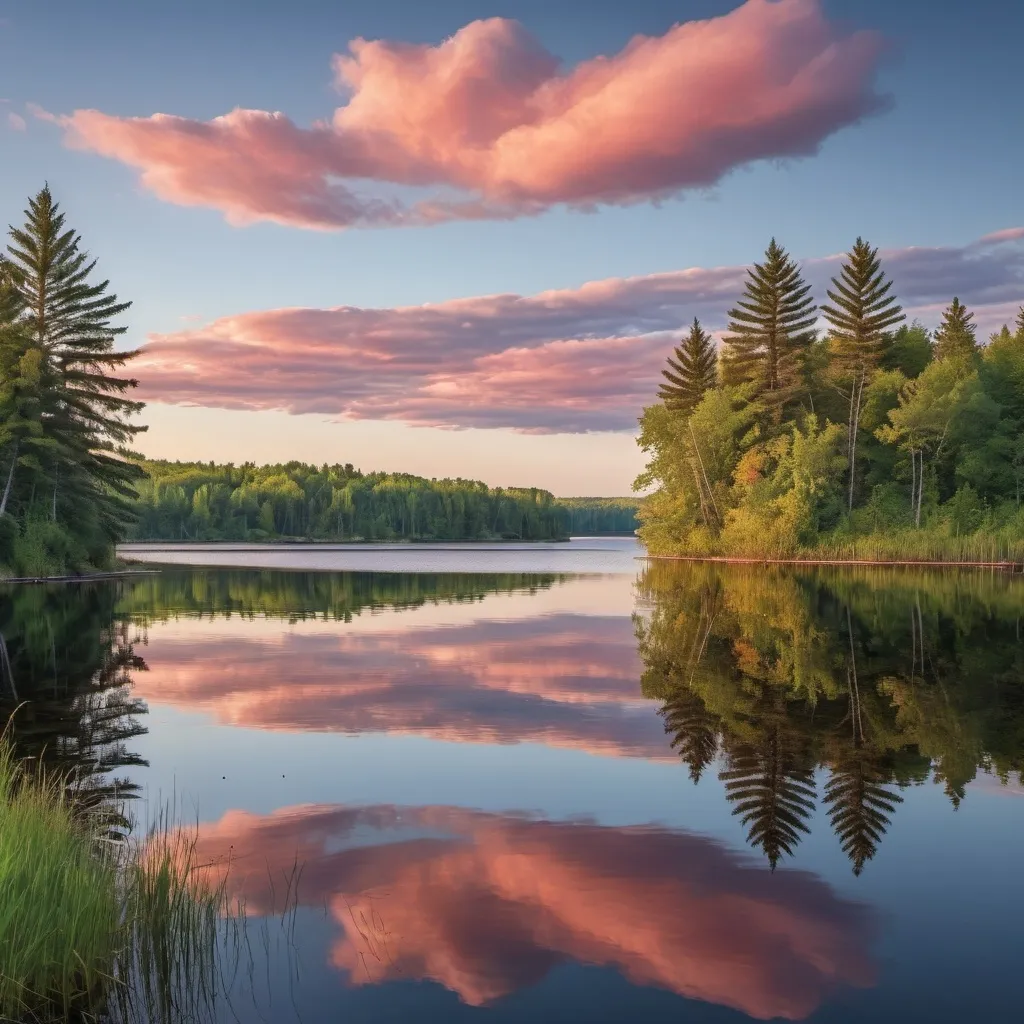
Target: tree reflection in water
x=882 y=678
x=67 y=660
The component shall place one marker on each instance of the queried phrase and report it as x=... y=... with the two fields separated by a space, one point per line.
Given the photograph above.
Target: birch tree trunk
x=10 y=479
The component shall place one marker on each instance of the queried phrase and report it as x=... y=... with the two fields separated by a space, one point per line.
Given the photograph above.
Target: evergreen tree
x=771 y=330
x=956 y=338
x=692 y=370
x=1020 y=324
x=68 y=316
x=772 y=786
x=694 y=730
x=26 y=383
x=861 y=312
x=859 y=806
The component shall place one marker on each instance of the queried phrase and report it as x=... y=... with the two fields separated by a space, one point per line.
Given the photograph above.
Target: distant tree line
x=209 y=502
x=597 y=516
x=872 y=438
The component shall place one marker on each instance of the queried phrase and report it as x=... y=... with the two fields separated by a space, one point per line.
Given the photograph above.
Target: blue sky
x=940 y=167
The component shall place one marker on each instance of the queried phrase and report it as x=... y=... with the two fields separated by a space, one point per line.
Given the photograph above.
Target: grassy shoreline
x=94 y=926
x=933 y=563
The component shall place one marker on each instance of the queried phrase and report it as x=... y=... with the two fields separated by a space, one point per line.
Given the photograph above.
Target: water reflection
x=67 y=665
x=883 y=679
x=800 y=701
x=564 y=680
x=487 y=904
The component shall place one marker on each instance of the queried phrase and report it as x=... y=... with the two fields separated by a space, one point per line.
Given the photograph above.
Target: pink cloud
x=490 y=904
x=571 y=360
x=488 y=114
x=16 y=122
x=564 y=680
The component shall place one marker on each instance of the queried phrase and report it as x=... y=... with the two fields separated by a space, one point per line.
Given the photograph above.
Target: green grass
x=60 y=906
x=91 y=928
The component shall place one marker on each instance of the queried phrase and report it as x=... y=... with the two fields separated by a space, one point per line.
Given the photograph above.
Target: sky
x=460 y=238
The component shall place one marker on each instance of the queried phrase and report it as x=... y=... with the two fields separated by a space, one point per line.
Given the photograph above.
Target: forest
x=802 y=687
x=873 y=439
x=207 y=502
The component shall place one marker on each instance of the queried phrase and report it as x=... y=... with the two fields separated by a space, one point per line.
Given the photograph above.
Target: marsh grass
x=98 y=929
x=60 y=904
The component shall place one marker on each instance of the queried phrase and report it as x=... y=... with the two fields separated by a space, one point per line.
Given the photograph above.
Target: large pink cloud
x=563 y=680
x=489 y=904
x=570 y=360
x=490 y=124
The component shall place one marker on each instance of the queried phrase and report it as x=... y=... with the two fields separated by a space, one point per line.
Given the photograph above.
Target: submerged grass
x=94 y=929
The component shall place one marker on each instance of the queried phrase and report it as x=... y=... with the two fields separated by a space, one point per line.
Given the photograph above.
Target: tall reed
x=92 y=928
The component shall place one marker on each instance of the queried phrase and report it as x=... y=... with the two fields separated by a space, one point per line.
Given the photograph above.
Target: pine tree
x=68 y=316
x=1020 y=324
x=692 y=370
x=862 y=310
x=773 y=789
x=859 y=806
x=956 y=338
x=26 y=385
x=771 y=330
x=694 y=730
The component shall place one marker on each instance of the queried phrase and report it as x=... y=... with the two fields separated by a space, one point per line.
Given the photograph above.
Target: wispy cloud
x=571 y=360
x=16 y=122
x=488 y=122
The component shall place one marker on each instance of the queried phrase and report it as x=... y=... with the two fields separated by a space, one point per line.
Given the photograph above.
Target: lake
x=518 y=783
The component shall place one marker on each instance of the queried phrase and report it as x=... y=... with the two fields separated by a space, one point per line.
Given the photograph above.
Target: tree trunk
x=10 y=479
x=913 y=481
x=700 y=494
x=711 y=493
x=921 y=489
x=856 y=400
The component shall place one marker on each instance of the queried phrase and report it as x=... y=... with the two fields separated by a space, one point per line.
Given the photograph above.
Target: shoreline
x=88 y=578
x=1006 y=566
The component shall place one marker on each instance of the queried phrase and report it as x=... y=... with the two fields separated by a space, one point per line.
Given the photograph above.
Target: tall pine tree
x=770 y=331
x=956 y=338
x=860 y=314
x=1020 y=324
x=68 y=317
x=692 y=370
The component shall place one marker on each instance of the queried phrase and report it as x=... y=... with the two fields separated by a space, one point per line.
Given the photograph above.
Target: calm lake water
x=555 y=783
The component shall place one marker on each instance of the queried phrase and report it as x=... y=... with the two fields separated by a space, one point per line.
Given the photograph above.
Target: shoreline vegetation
x=297 y=502
x=873 y=441
x=138 y=927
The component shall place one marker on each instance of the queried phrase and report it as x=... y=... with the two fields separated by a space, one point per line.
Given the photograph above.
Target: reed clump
x=93 y=928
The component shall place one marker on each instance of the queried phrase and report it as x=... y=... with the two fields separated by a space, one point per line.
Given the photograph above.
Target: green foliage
x=60 y=927
x=92 y=930
x=204 y=501
x=860 y=311
x=770 y=332
x=882 y=678
x=931 y=456
x=955 y=337
x=596 y=516
x=65 y=413
x=692 y=370
x=909 y=350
